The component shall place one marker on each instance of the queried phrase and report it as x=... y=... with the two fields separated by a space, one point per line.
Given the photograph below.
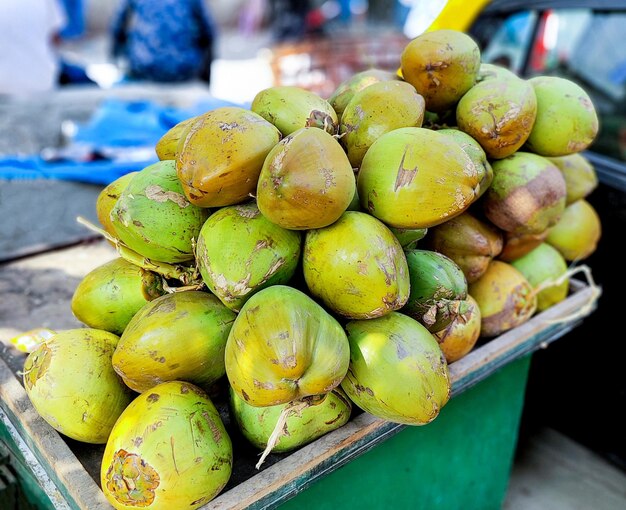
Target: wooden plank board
x=44 y=444
x=555 y=473
x=40 y=289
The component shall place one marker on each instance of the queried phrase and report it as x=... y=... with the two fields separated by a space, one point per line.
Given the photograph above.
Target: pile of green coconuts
x=276 y=246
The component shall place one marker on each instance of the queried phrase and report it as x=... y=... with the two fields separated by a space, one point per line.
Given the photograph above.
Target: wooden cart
x=467 y=450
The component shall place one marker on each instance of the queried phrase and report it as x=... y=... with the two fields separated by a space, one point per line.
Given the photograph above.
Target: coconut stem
x=185 y=274
x=172 y=290
x=295 y=407
x=584 y=310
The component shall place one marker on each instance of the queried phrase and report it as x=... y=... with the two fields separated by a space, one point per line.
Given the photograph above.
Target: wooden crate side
x=62 y=476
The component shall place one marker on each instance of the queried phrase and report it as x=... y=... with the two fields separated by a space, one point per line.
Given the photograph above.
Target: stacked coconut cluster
x=277 y=246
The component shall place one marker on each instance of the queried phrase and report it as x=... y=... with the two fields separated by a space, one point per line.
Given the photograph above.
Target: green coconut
x=442 y=65
x=460 y=336
x=468 y=241
x=292 y=108
x=72 y=385
x=109 y=296
x=168 y=144
x=284 y=346
x=577 y=233
x=306 y=181
x=221 y=156
x=518 y=245
x=542 y=266
x=376 y=110
x=397 y=370
x=168 y=450
x=566 y=118
x=492 y=71
x=356 y=267
x=107 y=198
x=416 y=178
x=580 y=176
x=347 y=89
x=499 y=114
x=179 y=336
x=324 y=415
x=527 y=194
x=409 y=237
x=240 y=252
x=476 y=153
x=438 y=288
x=505 y=298
x=154 y=218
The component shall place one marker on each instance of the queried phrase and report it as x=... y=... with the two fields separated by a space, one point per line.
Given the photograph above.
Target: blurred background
x=87 y=87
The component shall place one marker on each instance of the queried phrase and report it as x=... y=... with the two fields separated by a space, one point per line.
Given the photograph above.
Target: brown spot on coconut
x=131 y=481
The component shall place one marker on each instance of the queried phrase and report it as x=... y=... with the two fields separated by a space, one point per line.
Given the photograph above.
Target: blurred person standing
x=164 y=40
x=289 y=19
x=28 y=29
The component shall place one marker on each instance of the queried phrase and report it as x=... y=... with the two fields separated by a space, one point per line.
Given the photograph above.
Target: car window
x=579 y=44
x=510 y=43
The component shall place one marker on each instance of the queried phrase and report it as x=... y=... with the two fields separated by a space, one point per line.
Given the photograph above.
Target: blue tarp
x=116 y=125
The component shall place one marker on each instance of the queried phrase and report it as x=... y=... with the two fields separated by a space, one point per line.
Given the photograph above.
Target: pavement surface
x=36 y=215
x=40 y=214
